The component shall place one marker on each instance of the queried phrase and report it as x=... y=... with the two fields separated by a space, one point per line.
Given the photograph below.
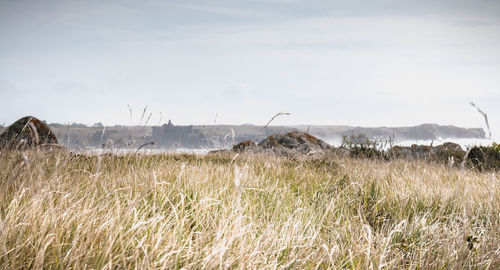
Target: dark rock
x=421 y=151
x=448 y=151
x=484 y=157
x=365 y=152
x=245 y=146
x=442 y=153
x=295 y=140
x=475 y=157
x=414 y=151
x=449 y=147
x=292 y=144
x=400 y=152
x=27 y=132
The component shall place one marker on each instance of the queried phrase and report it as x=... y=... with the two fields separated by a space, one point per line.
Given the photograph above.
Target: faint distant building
x=171 y=136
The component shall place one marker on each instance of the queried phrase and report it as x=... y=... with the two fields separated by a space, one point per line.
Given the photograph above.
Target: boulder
x=414 y=151
x=245 y=146
x=27 y=132
x=484 y=157
x=444 y=152
x=421 y=151
x=449 y=147
x=292 y=144
x=447 y=151
x=298 y=141
x=400 y=152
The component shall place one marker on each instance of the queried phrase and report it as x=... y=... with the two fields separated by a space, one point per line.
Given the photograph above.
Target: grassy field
x=184 y=211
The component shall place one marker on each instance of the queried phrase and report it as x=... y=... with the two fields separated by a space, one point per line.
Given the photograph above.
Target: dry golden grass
x=184 y=211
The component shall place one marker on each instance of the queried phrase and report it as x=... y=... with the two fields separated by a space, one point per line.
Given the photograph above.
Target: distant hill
x=171 y=136
x=420 y=132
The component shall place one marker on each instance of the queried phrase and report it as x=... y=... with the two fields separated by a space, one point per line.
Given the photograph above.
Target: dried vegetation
x=244 y=211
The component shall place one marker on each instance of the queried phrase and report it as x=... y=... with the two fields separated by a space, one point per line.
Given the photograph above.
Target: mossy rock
x=27 y=132
x=484 y=157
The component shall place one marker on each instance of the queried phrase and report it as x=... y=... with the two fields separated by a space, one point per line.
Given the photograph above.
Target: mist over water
x=150 y=151
x=465 y=143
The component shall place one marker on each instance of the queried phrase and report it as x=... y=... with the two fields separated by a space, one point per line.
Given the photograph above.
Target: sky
x=327 y=62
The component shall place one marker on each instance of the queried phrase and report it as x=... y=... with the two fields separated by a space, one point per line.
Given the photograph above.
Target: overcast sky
x=367 y=63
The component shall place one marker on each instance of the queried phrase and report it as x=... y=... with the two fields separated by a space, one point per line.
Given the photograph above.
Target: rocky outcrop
x=484 y=157
x=290 y=144
x=400 y=152
x=421 y=151
x=298 y=144
x=448 y=152
x=27 y=132
x=298 y=141
x=245 y=146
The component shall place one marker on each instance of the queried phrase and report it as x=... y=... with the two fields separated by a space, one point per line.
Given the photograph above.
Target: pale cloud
x=328 y=62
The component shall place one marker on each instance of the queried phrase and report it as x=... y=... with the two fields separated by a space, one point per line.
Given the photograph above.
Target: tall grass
x=184 y=211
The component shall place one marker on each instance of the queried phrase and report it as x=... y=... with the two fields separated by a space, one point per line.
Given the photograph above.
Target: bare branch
x=278 y=114
x=485 y=117
x=147 y=120
x=130 y=110
x=143 y=113
x=149 y=143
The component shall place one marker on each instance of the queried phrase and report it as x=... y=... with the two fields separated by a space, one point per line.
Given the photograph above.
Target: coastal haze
x=250 y=134
x=381 y=63
x=170 y=137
